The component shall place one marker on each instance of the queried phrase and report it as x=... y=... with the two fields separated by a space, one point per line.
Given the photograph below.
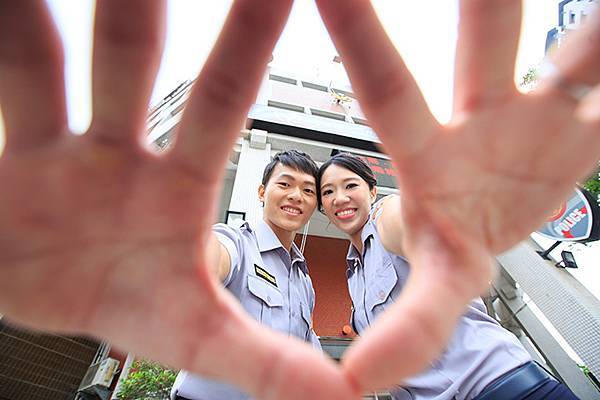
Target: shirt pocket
x=380 y=287
x=266 y=292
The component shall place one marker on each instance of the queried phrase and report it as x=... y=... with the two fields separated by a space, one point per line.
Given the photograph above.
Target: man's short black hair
x=294 y=159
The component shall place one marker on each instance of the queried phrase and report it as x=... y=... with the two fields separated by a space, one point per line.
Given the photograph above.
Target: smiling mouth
x=291 y=210
x=346 y=214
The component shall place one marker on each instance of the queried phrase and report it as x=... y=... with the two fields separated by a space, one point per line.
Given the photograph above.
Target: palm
x=474 y=187
x=102 y=237
x=488 y=184
x=98 y=214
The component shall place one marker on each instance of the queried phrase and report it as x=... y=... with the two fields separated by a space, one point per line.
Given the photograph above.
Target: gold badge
x=265 y=275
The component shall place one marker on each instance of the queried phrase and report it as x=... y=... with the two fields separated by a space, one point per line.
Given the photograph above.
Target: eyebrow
x=344 y=181
x=291 y=177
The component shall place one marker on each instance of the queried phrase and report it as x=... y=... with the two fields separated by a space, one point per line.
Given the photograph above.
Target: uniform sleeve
x=377 y=208
x=231 y=238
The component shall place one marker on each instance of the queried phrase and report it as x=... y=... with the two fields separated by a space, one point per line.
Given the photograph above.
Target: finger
x=128 y=42
x=488 y=38
x=32 y=90
x=227 y=85
x=578 y=59
x=273 y=366
x=589 y=112
x=204 y=330
x=416 y=329
x=388 y=93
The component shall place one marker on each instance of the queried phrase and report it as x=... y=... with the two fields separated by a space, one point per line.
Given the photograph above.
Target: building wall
x=326 y=263
x=571 y=14
x=310 y=98
x=575 y=12
x=36 y=366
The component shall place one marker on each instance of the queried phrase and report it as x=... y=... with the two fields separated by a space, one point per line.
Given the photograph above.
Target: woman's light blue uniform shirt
x=480 y=349
x=272 y=285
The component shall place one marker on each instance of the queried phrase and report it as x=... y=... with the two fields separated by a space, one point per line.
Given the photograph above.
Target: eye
x=283 y=184
x=326 y=192
x=351 y=185
x=309 y=191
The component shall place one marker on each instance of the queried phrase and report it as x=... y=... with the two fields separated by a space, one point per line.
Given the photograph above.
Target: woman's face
x=290 y=198
x=346 y=199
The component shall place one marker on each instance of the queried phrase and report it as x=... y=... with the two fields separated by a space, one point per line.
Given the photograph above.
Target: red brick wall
x=327 y=266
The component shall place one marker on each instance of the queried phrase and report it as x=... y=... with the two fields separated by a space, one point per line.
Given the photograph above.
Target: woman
x=259 y=264
x=482 y=360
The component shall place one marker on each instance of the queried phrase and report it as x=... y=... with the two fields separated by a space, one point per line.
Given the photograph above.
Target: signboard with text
x=576 y=220
x=384 y=171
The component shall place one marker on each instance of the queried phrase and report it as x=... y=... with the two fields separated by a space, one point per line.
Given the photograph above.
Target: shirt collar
x=267 y=241
x=353 y=255
x=266 y=238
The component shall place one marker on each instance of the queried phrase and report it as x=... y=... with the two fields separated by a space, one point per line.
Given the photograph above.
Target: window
x=285 y=106
x=360 y=121
x=571 y=17
x=327 y=114
x=314 y=86
x=283 y=79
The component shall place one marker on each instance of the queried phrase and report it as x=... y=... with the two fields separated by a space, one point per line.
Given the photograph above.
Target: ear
x=261 y=193
x=373 y=193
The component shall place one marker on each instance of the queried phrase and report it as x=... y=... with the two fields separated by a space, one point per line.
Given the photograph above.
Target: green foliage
x=530 y=77
x=586 y=371
x=147 y=381
x=593 y=184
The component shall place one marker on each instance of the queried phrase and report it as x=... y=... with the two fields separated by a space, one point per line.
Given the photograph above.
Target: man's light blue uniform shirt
x=272 y=285
x=480 y=349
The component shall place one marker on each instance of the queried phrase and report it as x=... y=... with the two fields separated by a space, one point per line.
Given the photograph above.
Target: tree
x=147 y=380
x=593 y=184
x=529 y=80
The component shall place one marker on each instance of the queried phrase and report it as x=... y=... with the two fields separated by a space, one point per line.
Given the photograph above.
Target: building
x=571 y=14
x=42 y=366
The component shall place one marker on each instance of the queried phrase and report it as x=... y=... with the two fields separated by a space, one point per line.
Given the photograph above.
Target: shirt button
x=269 y=298
x=381 y=294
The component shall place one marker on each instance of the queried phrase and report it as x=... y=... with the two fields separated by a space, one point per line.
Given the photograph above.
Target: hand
x=100 y=236
x=474 y=187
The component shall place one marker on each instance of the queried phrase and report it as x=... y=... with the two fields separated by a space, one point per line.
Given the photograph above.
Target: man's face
x=289 y=197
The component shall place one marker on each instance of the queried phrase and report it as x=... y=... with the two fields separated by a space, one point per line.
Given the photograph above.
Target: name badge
x=261 y=273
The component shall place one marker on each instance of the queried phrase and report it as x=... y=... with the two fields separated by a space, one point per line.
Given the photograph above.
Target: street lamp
x=567 y=259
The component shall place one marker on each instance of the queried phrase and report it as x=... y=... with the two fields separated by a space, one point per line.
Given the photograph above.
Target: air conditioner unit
x=99 y=375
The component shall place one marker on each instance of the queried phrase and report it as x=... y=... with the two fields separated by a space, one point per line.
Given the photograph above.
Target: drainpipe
x=123 y=375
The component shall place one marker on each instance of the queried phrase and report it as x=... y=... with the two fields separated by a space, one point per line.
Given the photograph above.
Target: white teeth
x=345 y=212
x=291 y=210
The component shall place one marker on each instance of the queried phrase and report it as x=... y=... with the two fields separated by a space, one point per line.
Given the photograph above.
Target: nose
x=340 y=198
x=294 y=194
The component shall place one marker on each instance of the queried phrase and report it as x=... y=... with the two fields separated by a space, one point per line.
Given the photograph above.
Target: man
x=262 y=266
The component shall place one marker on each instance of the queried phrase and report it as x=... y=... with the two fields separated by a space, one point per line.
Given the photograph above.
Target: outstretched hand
x=99 y=235
x=476 y=186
